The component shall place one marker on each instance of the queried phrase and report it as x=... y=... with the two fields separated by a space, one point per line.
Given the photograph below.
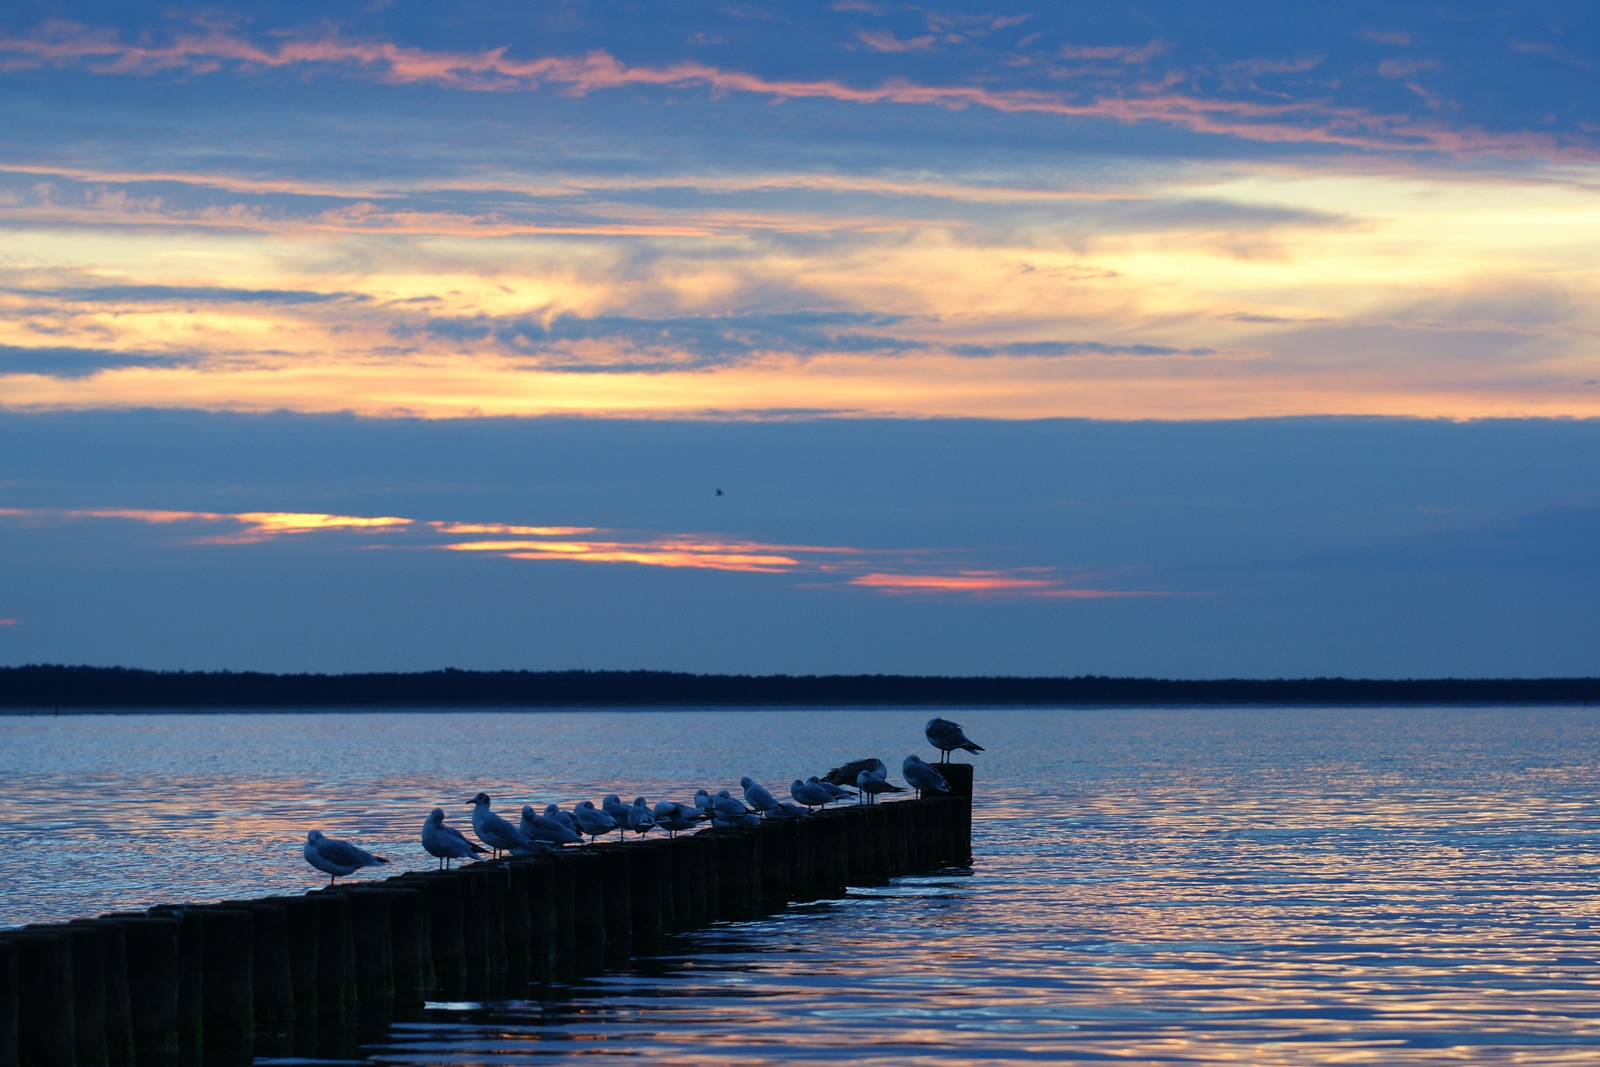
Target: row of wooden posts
x=310 y=975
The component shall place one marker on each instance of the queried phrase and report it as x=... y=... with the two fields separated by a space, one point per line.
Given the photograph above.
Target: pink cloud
x=1294 y=122
x=8 y=622
x=886 y=41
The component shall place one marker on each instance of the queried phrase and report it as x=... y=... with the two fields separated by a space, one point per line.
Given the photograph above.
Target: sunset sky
x=1113 y=338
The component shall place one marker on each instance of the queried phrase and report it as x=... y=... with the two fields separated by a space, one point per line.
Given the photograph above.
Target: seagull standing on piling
x=491 y=829
x=592 y=820
x=848 y=774
x=728 y=811
x=338 y=858
x=756 y=796
x=446 y=842
x=550 y=831
x=923 y=777
x=641 y=820
x=872 y=784
x=810 y=795
x=946 y=736
x=615 y=808
x=674 y=818
x=702 y=800
x=551 y=811
x=839 y=792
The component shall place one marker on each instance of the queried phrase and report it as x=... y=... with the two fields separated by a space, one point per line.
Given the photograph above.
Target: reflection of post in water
x=318 y=974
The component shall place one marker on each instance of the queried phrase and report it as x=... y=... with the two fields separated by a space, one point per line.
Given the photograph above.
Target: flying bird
x=491 y=829
x=337 y=858
x=446 y=842
x=946 y=736
x=922 y=776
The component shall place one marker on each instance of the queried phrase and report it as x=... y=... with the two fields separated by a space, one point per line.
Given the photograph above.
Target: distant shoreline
x=116 y=689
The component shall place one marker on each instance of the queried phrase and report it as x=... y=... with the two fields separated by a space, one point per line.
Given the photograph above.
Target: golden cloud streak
x=537 y=543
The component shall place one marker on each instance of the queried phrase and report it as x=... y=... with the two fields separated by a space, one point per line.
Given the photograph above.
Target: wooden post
x=685 y=871
x=229 y=1000
x=733 y=869
x=411 y=934
x=475 y=922
x=151 y=945
x=8 y=1004
x=564 y=908
x=302 y=924
x=859 y=831
x=191 y=977
x=644 y=881
x=272 y=982
x=588 y=910
x=803 y=861
x=711 y=882
x=336 y=959
x=88 y=990
x=519 y=931
x=774 y=839
x=959 y=775
x=371 y=926
x=618 y=905
x=46 y=1034
x=542 y=920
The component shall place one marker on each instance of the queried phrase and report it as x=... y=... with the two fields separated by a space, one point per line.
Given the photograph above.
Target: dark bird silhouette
x=946 y=736
x=847 y=774
x=719 y=492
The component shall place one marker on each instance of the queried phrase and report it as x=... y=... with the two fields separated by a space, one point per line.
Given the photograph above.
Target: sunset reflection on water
x=1257 y=886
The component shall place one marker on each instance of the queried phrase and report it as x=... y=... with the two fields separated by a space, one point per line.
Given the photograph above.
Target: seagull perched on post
x=491 y=829
x=641 y=820
x=811 y=795
x=756 y=796
x=848 y=774
x=446 y=842
x=839 y=792
x=592 y=821
x=946 y=736
x=872 y=784
x=922 y=776
x=674 y=818
x=335 y=858
x=545 y=829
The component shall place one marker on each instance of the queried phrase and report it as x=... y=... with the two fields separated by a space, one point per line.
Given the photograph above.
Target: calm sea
x=1260 y=886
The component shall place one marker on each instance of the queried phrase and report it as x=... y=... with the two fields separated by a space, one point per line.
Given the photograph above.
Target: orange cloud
x=8 y=622
x=843 y=564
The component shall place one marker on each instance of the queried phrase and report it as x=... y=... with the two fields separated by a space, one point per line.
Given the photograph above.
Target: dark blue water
x=1256 y=886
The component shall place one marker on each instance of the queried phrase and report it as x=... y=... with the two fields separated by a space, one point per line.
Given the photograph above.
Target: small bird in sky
x=335 y=858
x=719 y=492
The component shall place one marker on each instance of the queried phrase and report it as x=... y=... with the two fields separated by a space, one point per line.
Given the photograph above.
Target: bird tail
x=381 y=859
x=476 y=848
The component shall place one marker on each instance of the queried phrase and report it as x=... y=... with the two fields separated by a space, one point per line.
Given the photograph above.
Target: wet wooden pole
x=8 y=1004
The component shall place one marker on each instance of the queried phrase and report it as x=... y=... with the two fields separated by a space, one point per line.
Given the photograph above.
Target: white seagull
x=537 y=827
x=872 y=784
x=335 y=858
x=812 y=796
x=446 y=842
x=552 y=811
x=592 y=820
x=615 y=808
x=946 y=736
x=923 y=777
x=674 y=818
x=641 y=820
x=756 y=796
x=491 y=829
x=839 y=792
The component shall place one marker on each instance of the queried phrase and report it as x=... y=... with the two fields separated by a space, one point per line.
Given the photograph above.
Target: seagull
x=491 y=829
x=848 y=774
x=786 y=810
x=811 y=795
x=873 y=784
x=946 y=736
x=445 y=842
x=702 y=800
x=756 y=796
x=592 y=821
x=544 y=829
x=839 y=792
x=615 y=808
x=640 y=818
x=334 y=858
x=922 y=776
x=675 y=818
x=728 y=809
x=551 y=811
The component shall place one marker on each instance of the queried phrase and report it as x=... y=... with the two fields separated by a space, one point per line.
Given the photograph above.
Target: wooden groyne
x=308 y=975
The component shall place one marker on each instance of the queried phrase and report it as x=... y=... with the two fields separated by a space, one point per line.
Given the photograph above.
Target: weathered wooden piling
x=151 y=947
x=644 y=883
x=8 y=1004
x=618 y=905
x=336 y=958
x=227 y=980
x=46 y=1032
x=588 y=913
x=228 y=1002
x=542 y=920
x=518 y=922
x=302 y=922
x=191 y=976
